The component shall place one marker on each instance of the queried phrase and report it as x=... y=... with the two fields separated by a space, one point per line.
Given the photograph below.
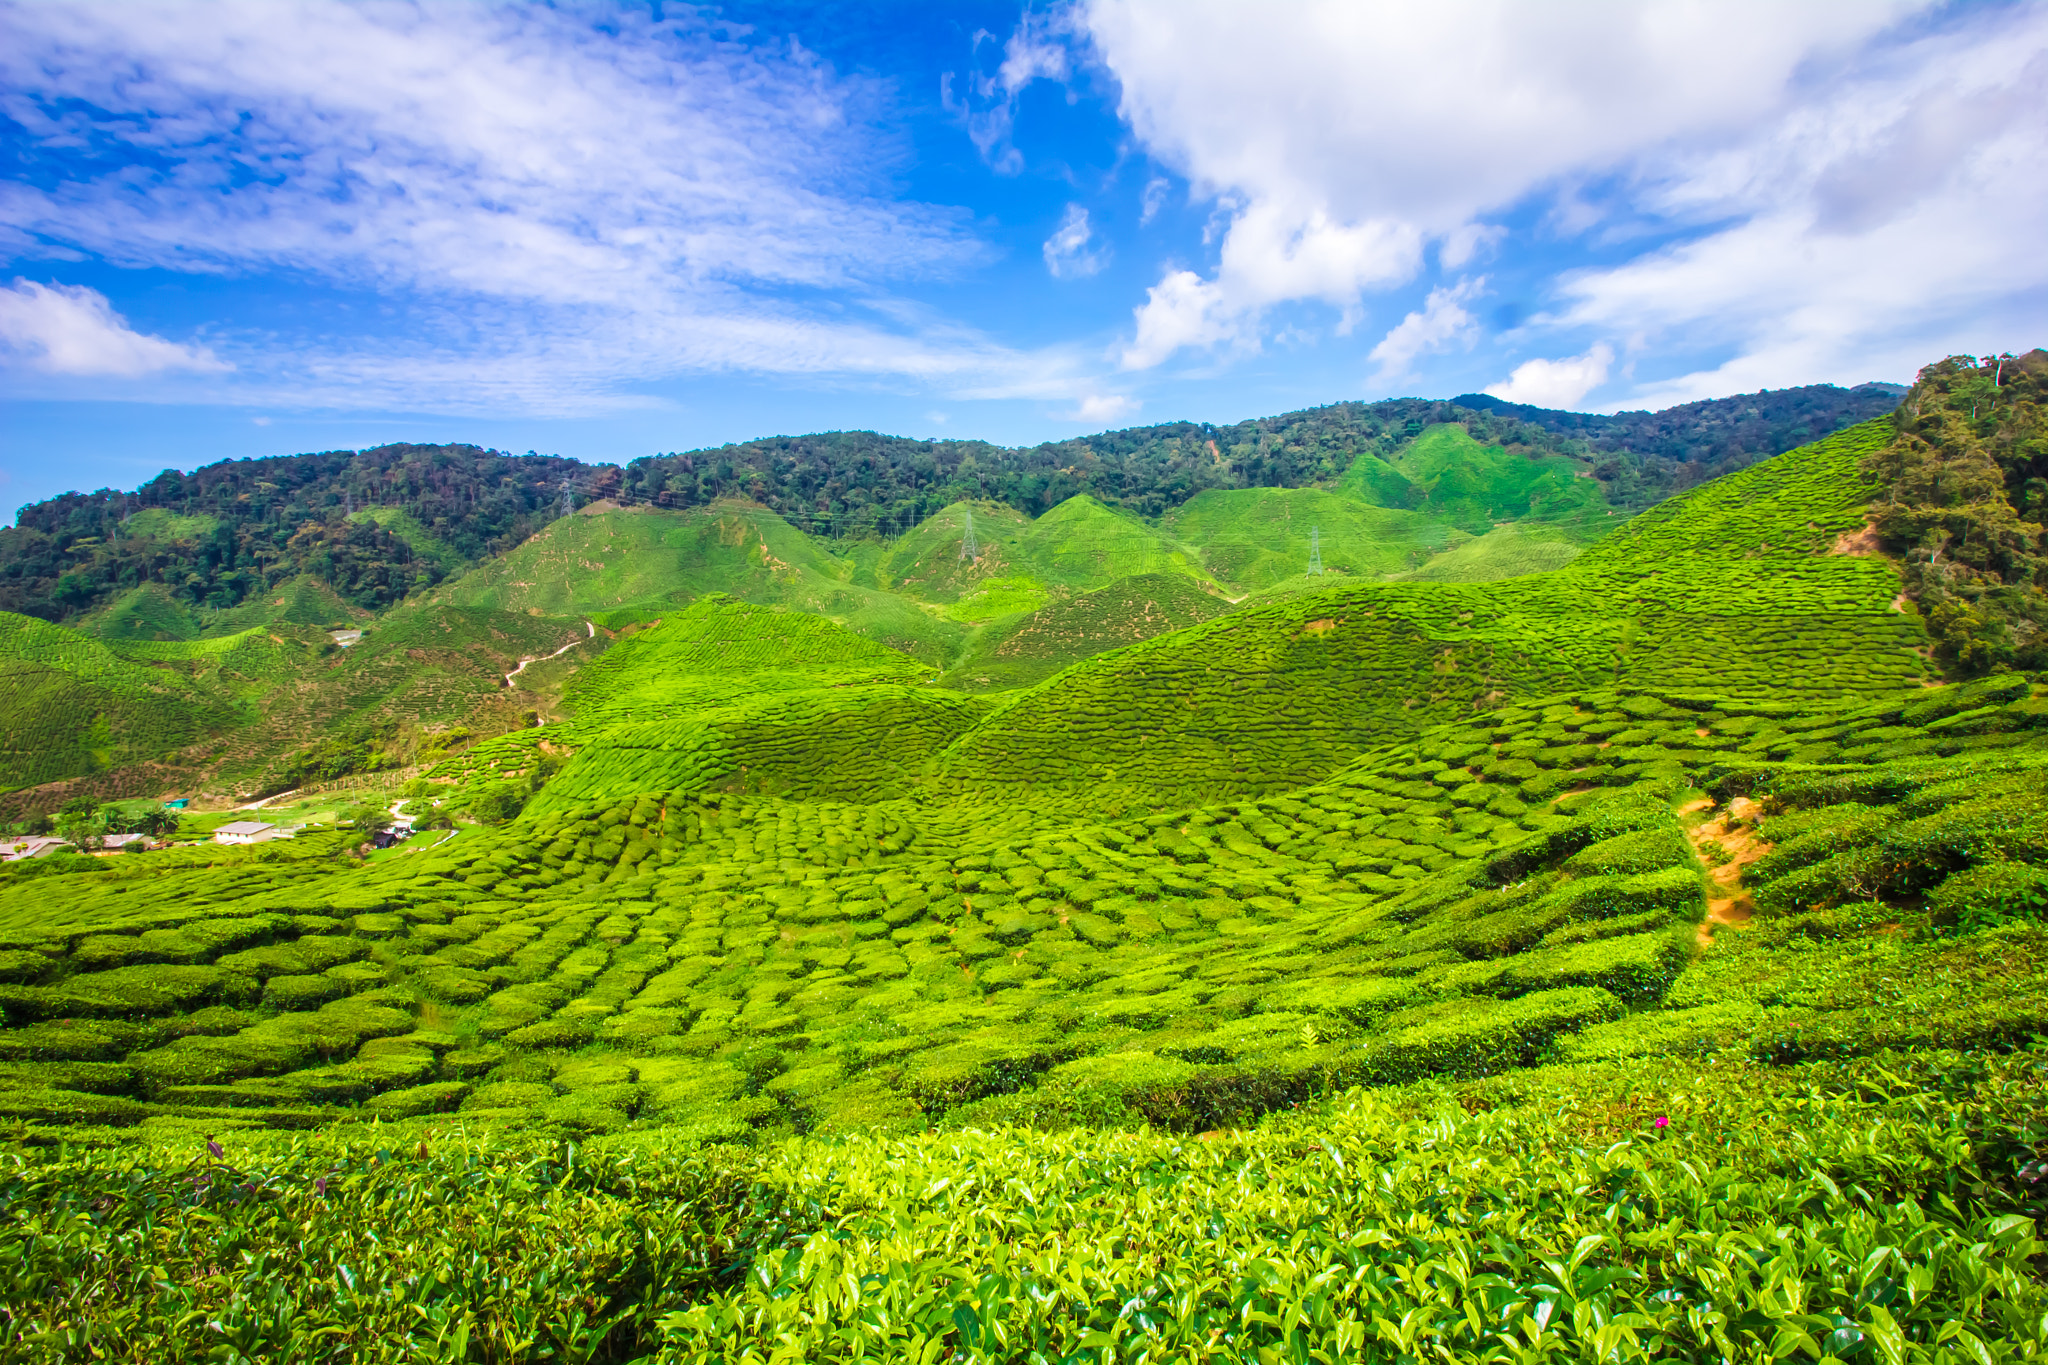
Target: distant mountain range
x=378 y=525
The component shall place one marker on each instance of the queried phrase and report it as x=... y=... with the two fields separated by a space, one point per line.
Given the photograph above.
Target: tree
x=368 y=819
x=80 y=829
x=157 y=824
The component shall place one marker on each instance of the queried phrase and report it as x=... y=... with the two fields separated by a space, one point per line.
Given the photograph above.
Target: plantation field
x=623 y=567
x=1614 y=948
x=1028 y=648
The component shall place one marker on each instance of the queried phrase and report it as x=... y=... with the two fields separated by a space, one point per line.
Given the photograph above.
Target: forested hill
x=374 y=524
x=378 y=524
x=1646 y=456
x=860 y=483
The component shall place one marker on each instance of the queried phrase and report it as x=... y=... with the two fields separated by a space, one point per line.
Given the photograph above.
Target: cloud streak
x=563 y=208
x=1073 y=252
x=1443 y=321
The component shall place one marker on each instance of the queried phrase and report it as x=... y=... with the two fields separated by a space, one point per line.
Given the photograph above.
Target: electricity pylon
x=967 y=547
x=567 y=503
x=1315 y=553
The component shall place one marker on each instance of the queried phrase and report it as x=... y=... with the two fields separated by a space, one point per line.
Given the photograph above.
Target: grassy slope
x=1473 y=486
x=1384 y=520
x=625 y=566
x=1275 y=695
x=1026 y=649
x=149 y=612
x=71 y=705
x=1255 y=537
x=1508 y=551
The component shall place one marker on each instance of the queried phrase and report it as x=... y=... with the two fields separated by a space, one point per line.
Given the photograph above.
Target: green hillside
x=623 y=566
x=1516 y=944
x=1022 y=650
x=1258 y=537
x=1507 y=551
x=1447 y=474
x=1720 y=591
x=70 y=706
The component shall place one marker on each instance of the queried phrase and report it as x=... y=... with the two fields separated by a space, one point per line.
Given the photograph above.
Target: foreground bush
x=1708 y=1211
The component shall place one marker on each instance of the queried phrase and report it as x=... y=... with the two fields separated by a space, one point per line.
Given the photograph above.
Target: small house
x=245 y=832
x=28 y=846
x=122 y=840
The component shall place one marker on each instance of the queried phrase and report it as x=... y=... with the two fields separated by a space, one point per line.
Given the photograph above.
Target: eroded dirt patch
x=1733 y=831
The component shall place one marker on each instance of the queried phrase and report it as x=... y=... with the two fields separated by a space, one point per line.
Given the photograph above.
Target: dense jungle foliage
x=1645 y=456
x=1965 y=495
x=228 y=531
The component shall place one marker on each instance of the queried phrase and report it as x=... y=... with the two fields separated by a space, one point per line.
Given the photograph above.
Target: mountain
x=1104 y=937
x=1643 y=456
x=378 y=525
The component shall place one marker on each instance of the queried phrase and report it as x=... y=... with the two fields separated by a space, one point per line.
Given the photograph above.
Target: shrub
x=1988 y=896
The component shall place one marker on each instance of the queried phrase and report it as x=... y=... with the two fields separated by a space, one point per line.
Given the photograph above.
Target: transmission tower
x=567 y=503
x=967 y=548
x=1315 y=553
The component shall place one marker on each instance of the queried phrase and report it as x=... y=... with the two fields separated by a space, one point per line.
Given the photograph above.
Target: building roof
x=244 y=827
x=31 y=846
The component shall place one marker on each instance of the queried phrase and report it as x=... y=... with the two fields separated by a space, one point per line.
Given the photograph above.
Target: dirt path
x=587 y=625
x=1734 y=829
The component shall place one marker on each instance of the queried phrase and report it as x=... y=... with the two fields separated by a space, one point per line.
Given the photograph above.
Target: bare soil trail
x=589 y=626
x=1733 y=830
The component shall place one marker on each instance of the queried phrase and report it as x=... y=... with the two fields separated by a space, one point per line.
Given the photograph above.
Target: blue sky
x=253 y=227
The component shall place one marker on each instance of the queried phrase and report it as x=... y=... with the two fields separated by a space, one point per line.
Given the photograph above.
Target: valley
x=1032 y=916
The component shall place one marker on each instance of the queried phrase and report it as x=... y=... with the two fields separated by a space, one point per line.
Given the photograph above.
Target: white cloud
x=1556 y=383
x=561 y=208
x=987 y=106
x=1894 y=220
x=1154 y=199
x=1269 y=257
x=1378 y=128
x=1461 y=246
x=1105 y=407
x=1442 y=322
x=70 y=330
x=1067 y=252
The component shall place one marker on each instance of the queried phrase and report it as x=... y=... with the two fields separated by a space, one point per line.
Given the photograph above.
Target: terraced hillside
x=70 y=705
x=1021 y=650
x=624 y=566
x=1639 y=959
x=1727 y=590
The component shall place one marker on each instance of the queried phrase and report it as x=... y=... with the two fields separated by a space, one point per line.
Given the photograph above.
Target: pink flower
x=1661 y=1122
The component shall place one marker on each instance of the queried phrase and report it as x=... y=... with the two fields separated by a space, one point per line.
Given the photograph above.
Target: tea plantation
x=1644 y=958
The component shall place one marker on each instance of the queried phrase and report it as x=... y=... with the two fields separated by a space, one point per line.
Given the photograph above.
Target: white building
x=245 y=832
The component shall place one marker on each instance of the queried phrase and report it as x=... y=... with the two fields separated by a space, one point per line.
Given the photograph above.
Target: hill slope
x=1725 y=590
x=1434 y=969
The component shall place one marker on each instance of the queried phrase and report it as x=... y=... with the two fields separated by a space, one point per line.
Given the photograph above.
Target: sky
x=242 y=228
